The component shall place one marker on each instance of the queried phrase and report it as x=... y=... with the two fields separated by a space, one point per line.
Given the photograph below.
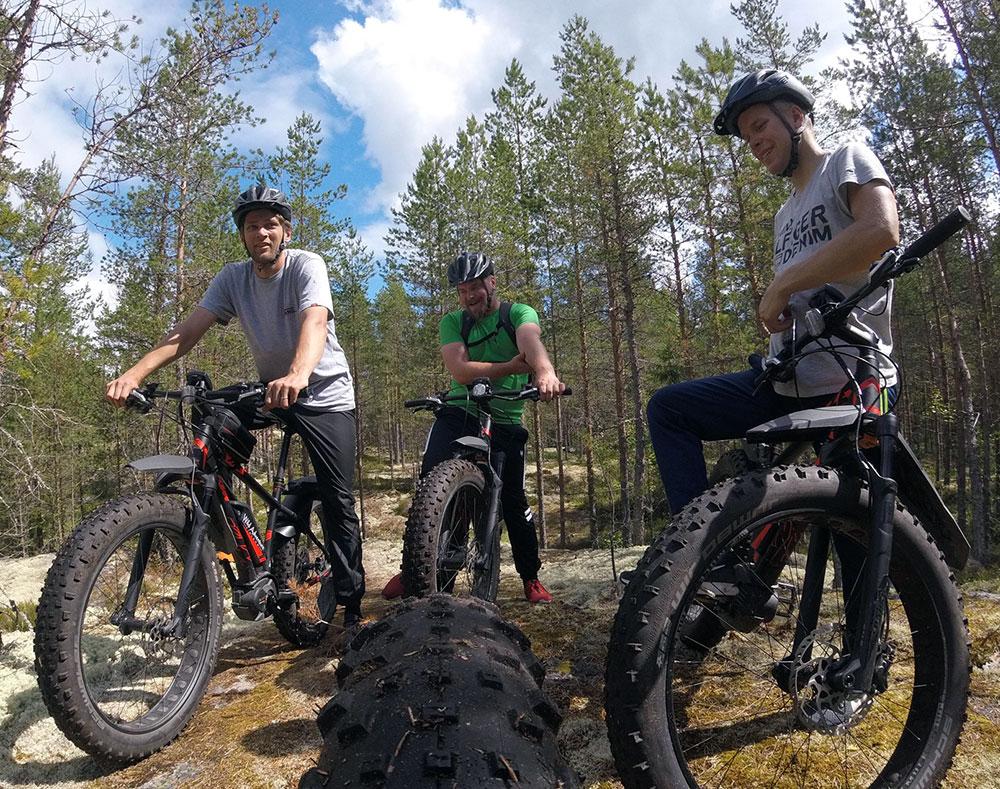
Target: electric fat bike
x=798 y=625
x=130 y=616
x=452 y=537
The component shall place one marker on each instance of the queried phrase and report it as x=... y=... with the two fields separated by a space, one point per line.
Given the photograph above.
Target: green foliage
x=18 y=617
x=643 y=239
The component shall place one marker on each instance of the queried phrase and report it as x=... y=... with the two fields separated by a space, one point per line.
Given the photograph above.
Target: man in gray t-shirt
x=282 y=299
x=839 y=219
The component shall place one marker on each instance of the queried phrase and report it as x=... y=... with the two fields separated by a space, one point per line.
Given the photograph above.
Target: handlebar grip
x=137 y=401
x=566 y=392
x=938 y=234
x=412 y=403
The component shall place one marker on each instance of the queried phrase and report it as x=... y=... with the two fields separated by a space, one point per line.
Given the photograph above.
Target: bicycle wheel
x=119 y=693
x=440 y=549
x=299 y=569
x=722 y=719
x=441 y=692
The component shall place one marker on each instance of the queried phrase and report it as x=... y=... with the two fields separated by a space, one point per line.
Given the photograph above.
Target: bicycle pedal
x=285 y=598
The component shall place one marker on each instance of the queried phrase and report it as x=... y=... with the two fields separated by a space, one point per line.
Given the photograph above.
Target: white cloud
x=94 y=283
x=373 y=236
x=410 y=70
x=278 y=99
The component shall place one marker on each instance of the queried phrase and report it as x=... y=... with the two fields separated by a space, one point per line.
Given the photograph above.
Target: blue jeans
x=719 y=407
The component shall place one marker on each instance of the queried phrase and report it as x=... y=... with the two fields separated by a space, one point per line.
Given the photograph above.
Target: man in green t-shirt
x=490 y=352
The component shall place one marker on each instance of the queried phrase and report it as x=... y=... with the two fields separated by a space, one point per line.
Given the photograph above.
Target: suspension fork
x=124 y=618
x=855 y=671
x=485 y=529
x=812 y=596
x=192 y=562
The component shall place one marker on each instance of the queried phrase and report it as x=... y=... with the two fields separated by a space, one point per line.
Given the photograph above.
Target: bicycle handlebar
x=437 y=400
x=937 y=235
x=824 y=320
x=141 y=399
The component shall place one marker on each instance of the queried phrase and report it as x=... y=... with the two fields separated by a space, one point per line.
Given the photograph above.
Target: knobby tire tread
x=423 y=528
x=297 y=629
x=637 y=723
x=60 y=610
x=442 y=692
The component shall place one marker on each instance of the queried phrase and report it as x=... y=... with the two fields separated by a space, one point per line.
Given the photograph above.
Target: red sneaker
x=394 y=587
x=534 y=592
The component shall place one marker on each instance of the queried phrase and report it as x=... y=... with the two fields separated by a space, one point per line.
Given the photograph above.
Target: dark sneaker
x=534 y=592
x=394 y=587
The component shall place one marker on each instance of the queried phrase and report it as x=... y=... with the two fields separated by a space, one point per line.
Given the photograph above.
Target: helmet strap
x=796 y=138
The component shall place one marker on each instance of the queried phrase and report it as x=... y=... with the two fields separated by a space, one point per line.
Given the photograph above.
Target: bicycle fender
x=917 y=491
x=177 y=464
x=299 y=498
x=469 y=444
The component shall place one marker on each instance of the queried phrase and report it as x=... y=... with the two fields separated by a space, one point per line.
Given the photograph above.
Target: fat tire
x=65 y=597
x=425 y=521
x=640 y=649
x=441 y=692
x=706 y=630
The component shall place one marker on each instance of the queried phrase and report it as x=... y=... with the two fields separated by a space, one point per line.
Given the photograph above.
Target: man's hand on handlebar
x=548 y=385
x=282 y=392
x=118 y=390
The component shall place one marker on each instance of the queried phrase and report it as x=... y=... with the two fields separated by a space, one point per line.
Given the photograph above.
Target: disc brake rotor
x=818 y=706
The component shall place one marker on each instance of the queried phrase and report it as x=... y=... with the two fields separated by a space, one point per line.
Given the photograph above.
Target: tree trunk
x=14 y=74
x=618 y=375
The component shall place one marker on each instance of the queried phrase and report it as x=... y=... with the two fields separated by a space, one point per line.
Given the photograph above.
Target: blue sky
x=384 y=76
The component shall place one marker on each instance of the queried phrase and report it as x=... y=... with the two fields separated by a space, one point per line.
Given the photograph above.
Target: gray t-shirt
x=805 y=224
x=268 y=310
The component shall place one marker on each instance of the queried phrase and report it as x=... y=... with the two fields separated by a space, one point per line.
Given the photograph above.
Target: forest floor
x=256 y=725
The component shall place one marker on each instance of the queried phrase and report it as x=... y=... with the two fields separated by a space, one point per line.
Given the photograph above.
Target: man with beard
x=503 y=342
x=282 y=299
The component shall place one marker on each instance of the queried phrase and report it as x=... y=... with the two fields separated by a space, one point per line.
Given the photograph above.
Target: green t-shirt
x=499 y=348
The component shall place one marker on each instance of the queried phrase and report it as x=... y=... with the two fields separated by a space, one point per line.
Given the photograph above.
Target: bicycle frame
x=840 y=433
x=219 y=516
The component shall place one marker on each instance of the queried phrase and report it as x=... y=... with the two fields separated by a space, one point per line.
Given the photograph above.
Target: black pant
x=452 y=423
x=329 y=438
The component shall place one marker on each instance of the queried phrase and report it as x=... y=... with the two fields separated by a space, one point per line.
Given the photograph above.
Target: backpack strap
x=503 y=321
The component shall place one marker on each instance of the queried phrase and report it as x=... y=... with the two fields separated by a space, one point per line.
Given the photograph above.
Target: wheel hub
x=819 y=706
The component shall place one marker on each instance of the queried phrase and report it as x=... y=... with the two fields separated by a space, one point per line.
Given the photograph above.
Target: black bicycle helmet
x=760 y=87
x=260 y=196
x=469 y=266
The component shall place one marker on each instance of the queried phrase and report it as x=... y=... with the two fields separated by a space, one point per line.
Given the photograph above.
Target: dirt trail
x=256 y=725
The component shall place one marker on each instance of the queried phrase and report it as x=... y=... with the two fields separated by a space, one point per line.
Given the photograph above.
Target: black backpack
x=468 y=321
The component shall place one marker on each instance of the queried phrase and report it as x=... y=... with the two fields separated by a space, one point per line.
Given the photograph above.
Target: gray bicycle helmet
x=760 y=87
x=260 y=196
x=469 y=266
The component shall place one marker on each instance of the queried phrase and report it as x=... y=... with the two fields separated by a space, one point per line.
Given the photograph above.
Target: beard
x=486 y=306
x=267 y=259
